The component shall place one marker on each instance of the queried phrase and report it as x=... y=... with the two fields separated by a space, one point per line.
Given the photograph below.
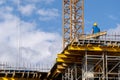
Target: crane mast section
x=73 y=20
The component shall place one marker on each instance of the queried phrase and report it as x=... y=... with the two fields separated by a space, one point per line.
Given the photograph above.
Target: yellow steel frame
x=21 y=75
x=74 y=53
x=109 y=48
x=5 y=78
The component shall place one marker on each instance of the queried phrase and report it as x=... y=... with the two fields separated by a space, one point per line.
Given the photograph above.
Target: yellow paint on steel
x=67 y=55
x=56 y=72
x=62 y=56
x=60 y=67
x=109 y=48
x=64 y=64
x=5 y=78
x=61 y=60
x=66 y=52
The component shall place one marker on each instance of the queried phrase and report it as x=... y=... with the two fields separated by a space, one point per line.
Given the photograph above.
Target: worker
x=95 y=29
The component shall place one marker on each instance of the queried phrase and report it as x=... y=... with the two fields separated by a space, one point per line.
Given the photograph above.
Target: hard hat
x=95 y=24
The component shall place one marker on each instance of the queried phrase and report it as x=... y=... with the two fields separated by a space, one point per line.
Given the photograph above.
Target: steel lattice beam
x=73 y=20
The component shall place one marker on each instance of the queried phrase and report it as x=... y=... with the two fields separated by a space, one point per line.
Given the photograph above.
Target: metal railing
x=25 y=67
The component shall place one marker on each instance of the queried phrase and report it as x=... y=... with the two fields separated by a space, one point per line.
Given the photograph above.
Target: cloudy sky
x=30 y=30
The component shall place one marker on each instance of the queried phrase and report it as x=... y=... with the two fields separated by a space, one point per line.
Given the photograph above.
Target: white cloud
x=115 y=30
x=2 y=2
x=27 y=9
x=48 y=14
x=42 y=1
x=114 y=33
x=32 y=1
x=112 y=17
x=5 y=9
x=35 y=46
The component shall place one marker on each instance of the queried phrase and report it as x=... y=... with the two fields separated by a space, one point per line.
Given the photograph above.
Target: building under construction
x=83 y=57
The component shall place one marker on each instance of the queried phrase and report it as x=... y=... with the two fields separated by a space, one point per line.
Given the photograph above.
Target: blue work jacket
x=96 y=29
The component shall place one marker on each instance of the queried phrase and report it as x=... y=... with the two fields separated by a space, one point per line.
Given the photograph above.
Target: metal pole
x=103 y=57
x=68 y=74
x=75 y=67
x=106 y=68
x=86 y=65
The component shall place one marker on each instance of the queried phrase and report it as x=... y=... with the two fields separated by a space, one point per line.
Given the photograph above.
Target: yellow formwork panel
x=95 y=48
x=5 y=78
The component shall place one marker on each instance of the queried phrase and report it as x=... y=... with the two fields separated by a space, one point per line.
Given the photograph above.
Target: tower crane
x=73 y=22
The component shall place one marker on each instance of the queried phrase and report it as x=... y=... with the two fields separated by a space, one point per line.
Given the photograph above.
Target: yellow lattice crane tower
x=73 y=20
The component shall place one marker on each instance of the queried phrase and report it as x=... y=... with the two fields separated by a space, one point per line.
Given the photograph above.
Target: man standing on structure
x=95 y=29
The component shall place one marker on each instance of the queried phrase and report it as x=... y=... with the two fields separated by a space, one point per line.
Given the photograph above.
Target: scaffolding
x=91 y=59
x=73 y=72
x=94 y=67
x=23 y=72
x=101 y=67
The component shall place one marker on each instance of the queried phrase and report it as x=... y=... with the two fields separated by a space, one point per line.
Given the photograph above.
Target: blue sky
x=31 y=30
x=105 y=12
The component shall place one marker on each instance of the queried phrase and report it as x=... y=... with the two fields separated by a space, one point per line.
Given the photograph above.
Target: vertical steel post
x=106 y=68
x=103 y=71
x=75 y=67
x=86 y=65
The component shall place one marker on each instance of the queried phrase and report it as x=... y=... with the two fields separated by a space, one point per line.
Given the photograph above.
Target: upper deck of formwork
x=94 y=46
x=74 y=52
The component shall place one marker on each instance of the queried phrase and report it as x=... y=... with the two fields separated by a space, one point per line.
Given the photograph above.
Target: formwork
x=93 y=59
x=24 y=71
x=21 y=75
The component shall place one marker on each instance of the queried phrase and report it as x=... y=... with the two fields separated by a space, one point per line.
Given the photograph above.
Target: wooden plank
x=93 y=35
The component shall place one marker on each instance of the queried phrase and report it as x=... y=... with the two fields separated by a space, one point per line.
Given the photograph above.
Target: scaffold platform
x=21 y=75
x=88 y=59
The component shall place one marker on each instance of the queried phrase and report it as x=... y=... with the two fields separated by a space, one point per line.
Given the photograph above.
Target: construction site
x=84 y=56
